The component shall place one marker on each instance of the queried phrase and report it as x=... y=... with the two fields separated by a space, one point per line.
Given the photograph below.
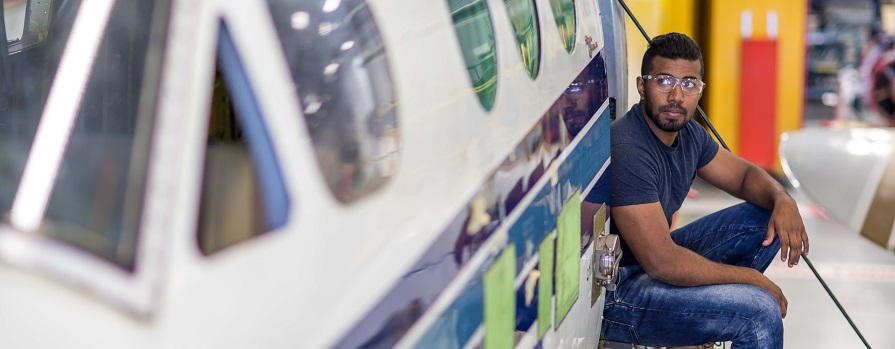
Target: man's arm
x=645 y=230
x=746 y=181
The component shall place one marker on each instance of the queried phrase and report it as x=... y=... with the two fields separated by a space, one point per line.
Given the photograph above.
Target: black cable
x=631 y=15
x=718 y=136
x=836 y=301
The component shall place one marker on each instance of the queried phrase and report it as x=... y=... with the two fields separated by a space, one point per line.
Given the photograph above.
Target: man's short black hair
x=671 y=46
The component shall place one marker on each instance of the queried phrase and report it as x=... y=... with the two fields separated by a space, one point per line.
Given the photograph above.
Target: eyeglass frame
x=677 y=82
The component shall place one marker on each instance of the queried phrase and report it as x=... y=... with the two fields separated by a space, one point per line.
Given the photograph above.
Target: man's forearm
x=761 y=189
x=690 y=269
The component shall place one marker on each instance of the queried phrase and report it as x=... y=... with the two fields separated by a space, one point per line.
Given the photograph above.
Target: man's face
x=669 y=111
x=575 y=106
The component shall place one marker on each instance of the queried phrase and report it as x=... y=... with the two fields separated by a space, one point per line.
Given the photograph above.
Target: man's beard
x=670 y=125
x=576 y=118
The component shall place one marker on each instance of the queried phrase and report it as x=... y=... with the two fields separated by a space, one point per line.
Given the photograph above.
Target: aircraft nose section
x=840 y=170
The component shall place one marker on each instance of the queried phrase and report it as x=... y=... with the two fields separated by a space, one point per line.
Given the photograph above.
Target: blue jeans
x=646 y=311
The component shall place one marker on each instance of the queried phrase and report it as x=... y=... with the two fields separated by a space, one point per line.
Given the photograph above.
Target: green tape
x=568 y=254
x=500 y=301
x=545 y=284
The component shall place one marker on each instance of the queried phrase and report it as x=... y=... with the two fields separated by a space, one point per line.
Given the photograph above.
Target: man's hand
x=746 y=181
x=787 y=223
x=765 y=283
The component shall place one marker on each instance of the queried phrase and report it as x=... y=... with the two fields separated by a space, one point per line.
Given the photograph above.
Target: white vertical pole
x=773 y=26
x=746 y=24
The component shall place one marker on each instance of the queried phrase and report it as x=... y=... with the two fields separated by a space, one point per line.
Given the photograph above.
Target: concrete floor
x=860 y=274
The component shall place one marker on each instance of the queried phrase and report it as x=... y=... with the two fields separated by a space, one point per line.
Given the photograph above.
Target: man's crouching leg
x=733 y=236
x=762 y=322
x=649 y=312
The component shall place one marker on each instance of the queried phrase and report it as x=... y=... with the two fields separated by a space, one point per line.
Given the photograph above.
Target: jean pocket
x=618 y=332
x=623 y=274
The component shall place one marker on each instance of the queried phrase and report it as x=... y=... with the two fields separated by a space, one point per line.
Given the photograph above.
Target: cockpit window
x=524 y=17
x=340 y=68
x=93 y=192
x=472 y=21
x=564 y=14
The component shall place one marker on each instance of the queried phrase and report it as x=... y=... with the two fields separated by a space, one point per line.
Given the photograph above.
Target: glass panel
x=27 y=22
x=243 y=192
x=524 y=17
x=340 y=69
x=564 y=13
x=472 y=21
x=14 y=19
x=98 y=193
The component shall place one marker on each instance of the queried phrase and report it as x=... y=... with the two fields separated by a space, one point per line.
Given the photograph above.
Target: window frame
x=131 y=291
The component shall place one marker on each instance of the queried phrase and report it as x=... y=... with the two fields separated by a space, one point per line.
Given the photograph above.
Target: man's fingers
x=804 y=241
x=789 y=253
x=781 y=301
x=794 y=255
x=777 y=293
x=784 y=247
x=769 y=237
x=783 y=305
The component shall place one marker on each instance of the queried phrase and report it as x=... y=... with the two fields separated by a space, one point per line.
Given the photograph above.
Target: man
x=703 y=282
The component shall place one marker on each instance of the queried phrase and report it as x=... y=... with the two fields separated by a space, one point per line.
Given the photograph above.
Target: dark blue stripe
x=600 y=192
x=459 y=322
x=416 y=291
x=525 y=314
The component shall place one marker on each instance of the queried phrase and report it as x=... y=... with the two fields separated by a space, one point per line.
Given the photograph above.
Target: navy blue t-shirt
x=645 y=170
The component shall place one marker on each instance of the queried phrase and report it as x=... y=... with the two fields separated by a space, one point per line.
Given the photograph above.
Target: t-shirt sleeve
x=708 y=149
x=633 y=178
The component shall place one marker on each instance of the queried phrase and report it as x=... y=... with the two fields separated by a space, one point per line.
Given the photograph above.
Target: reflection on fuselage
x=580 y=100
x=519 y=173
x=515 y=178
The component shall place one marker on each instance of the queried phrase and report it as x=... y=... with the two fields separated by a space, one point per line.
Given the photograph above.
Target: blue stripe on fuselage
x=578 y=153
x=462 y=318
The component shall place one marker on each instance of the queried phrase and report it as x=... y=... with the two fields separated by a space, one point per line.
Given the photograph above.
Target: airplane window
x=95 y=201
x=524 y=17
x=26 y=23
x=564 y=14
x=472 y=21
x=243 y=192
x=340 y=69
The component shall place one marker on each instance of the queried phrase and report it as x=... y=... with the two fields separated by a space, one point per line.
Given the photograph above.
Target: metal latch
x=607 y=255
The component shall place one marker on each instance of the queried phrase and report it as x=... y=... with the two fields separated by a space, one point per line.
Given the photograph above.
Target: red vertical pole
x=758 y=101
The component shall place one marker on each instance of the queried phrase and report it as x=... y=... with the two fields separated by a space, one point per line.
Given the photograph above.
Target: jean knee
x=766 y=316
x=766 y=306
